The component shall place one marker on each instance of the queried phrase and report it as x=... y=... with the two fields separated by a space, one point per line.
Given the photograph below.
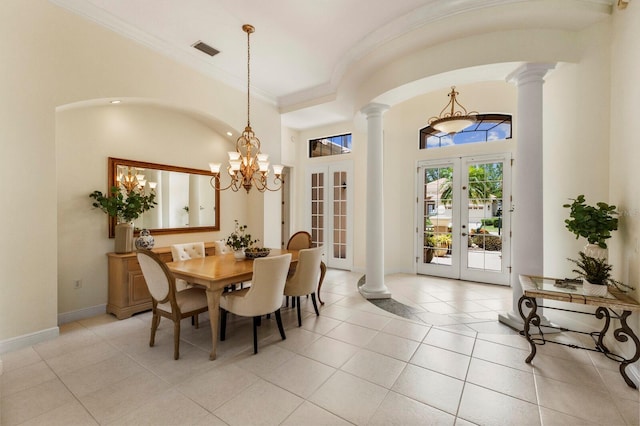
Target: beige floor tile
x=490 y=327
x=25 y=377
x=516 y=383
x=442 y=308
x=617 y=386
x=555 y=418
x=266 y=360
x=365 y=319
x=399 y=410
x=20 y=358
x=320 y=324
x=393 y=346
x=578 y=400
x=81 y=357
x=441 y=360
x=164 y=408
x=429 y=387
x=72 y=413
x=511 y=339
x=354 y=334
x=349 y=397
x=376 y=368
x=452 y=341
x=111 y=402
x=300 y=375
x=467 y=306
x=309 y=414
x=91 y=378
x=502 y=354
x=214 y=388
x=67 y=342
x=630 y=410
x=339 y=313
x=34 y=401
x=406 y=329
x=566 y=371
x=260 y=404
x=297 y=339
x=330 y=351
x=431 y=318
x=486 y=407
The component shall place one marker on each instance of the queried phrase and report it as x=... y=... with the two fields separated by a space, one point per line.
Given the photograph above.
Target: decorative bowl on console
x=255 y=252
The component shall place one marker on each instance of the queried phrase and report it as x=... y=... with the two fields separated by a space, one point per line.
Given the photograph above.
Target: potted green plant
x=124 y=208
x=595 y=223
x=596 y=275
x=239 y=240
x=429 y=247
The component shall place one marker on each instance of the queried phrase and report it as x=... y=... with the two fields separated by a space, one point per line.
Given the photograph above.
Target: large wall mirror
x=186 y=200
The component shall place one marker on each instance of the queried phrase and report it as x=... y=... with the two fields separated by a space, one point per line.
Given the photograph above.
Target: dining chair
x=221 y=247
x=305 y=279
x=262 y=298
x=166 y=301
x=302 y=240
x=185 y=252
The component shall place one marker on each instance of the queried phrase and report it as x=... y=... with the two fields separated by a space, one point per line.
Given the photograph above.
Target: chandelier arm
x=217 y=179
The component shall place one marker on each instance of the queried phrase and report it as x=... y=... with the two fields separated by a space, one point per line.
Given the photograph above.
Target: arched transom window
x=487 y=128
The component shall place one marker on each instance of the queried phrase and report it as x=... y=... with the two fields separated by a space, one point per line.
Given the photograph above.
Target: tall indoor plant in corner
x=595 y=223
x=124 y=207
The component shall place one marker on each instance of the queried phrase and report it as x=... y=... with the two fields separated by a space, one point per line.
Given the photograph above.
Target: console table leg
x=621 y=336
x=532 y=318
x=603 y=313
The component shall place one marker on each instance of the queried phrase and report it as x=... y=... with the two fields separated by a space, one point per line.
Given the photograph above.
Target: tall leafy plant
x=595 y=223
x=124 y=207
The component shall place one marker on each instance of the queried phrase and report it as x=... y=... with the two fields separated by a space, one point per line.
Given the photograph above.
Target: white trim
x=27 y=340
x=83 y=313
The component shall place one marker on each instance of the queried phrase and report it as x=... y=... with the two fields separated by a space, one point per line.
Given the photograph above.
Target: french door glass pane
x=339 y=215
x=437 y=217
x=317 y=213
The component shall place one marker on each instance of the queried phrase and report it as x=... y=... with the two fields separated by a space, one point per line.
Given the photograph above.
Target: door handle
x=464 y=234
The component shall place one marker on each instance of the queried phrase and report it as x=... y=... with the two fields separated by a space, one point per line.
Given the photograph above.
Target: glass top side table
x=615 y=304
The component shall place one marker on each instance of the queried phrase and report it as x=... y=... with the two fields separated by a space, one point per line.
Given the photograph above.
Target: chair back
x=267 y=284
x=187 y=251
x=159 y=279
x=307 y=274
x=221 y=247
x=299 y=240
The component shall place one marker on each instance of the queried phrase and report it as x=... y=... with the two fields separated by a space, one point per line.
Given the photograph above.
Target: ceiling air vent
x=204 y=47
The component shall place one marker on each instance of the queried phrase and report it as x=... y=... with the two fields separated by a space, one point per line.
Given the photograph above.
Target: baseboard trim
x=27 y=340
x=83 y=313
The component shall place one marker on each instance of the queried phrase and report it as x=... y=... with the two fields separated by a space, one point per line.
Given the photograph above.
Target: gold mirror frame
x=113 y=171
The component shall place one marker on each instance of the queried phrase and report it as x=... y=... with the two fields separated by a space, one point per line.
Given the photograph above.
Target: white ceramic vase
x=239 y=254
x=597 y=290
x=594 y=250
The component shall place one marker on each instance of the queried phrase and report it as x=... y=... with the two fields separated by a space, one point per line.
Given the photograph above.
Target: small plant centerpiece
x=124 y=207
x=239 y=240
x=595 y=223
x=596 y=275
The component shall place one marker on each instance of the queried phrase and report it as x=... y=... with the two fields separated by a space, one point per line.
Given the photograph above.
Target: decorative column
x=526 y=218
x=374 y=287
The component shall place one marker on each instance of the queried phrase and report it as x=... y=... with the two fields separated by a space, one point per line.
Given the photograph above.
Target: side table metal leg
x=621 y=336
x=532 y=318
x=603 y=313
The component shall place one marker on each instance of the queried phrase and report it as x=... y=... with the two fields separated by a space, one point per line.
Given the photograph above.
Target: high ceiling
x=303 y=50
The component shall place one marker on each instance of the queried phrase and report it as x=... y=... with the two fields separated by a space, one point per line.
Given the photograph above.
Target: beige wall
x=63 y=59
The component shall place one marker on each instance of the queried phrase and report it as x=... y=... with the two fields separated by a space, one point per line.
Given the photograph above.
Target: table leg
x=532 y=318
x=603 y=313
x=213 y=301
x=323 y=271
x=621 y=336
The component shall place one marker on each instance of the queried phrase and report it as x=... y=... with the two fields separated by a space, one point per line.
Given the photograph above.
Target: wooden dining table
x=214 y=273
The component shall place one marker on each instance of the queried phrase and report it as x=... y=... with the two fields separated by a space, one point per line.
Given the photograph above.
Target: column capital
x=530 y=72
x=374 y=109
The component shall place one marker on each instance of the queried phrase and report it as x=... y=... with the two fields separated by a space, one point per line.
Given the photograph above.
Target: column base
x=378 y=293
x=515 y=321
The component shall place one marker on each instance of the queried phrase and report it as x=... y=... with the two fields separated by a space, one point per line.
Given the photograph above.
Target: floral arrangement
x=124 y=208
x=239 y=239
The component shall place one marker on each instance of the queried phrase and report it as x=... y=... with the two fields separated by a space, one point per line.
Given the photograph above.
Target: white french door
x=463 y=228
x=329 y=197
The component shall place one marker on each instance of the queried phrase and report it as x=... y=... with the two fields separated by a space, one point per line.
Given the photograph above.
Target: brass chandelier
x=132 y=179
x=248 y=166
x=450 y=120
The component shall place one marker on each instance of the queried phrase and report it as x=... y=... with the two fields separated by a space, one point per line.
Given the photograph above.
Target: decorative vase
x=595 y=251
x=124 y=238
x=238 y=254
x=145 y=240
x=598 y=290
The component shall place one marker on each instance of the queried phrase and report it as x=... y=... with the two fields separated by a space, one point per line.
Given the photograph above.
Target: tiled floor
x=355 y=364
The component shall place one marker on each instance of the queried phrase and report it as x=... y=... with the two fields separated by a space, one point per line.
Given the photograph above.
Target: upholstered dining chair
x=166 y=301
x=185 y=252
x=262 y=298
x=305 y=279
x=302 y=240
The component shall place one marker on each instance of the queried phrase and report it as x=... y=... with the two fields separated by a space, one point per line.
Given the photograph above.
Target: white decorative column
x=374 y=287
x=526 y=218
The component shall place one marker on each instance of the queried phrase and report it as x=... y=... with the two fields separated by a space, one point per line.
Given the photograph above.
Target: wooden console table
x=548 y=288
x=128 y=293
